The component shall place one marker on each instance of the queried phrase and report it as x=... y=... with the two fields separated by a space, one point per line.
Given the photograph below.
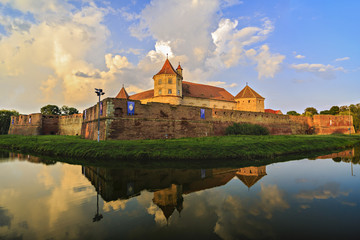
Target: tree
x=310 y=110
x=5 y=117
x=50 y=110
x=334 y=110
x=326 y=112
x=294 y=113
x=65 y=110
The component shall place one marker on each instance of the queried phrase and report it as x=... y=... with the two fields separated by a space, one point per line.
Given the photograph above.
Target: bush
x=246 y=129
x=5 y=116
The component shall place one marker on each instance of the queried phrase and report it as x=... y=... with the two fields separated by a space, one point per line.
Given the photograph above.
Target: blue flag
x=12 y=121
x=85 y=114
x=202 y=113
x=130 y=108
x=101 y=108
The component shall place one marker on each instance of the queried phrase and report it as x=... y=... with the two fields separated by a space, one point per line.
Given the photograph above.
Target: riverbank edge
x=238 y=148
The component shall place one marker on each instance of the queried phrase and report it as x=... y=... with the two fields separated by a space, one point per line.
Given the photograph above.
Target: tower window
x=159 y=91
x=169 y=91
x=248 y=101
x=159 y=81
x=179 y=92
x=170 y=81
x=178 y=82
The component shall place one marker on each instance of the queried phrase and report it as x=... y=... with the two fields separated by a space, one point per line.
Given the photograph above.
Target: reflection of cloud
x=329 y=190
x=272 y=199
x=251 y=214
x=45 y=177
x=114 y=205
x=157 y=212
x=304 y=206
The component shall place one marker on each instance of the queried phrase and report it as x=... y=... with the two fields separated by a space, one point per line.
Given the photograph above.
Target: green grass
x=188 y=149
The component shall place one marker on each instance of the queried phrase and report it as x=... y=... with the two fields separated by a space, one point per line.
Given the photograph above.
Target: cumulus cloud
x=63 y=50
x=321 y=70
x=299 y=56
x=342 y=59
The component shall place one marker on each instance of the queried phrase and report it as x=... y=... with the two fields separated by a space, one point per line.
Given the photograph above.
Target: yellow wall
x=250 y=104
x=162 y=82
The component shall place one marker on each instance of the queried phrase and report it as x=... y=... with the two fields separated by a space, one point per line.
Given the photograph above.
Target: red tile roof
x=193 y=90
x=273 y=111
x=248 y=92
x=142 y=95
x=122 y=94
x=206 y=91
x=179 y=67
x=167 y=68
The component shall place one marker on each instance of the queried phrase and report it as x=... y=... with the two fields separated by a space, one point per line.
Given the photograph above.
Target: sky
x=295 y=53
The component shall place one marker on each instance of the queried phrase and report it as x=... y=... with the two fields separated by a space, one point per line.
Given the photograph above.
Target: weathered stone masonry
x=160 y=120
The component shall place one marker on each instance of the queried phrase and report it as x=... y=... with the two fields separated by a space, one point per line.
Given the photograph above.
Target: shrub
x=246 y=129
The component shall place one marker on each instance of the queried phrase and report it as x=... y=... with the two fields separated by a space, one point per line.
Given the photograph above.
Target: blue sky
x=296 y=54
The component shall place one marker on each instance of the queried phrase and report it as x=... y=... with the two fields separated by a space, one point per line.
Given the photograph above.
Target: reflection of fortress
x=168 y=185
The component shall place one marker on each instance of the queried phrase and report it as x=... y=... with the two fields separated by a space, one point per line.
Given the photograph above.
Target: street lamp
x=99 y=92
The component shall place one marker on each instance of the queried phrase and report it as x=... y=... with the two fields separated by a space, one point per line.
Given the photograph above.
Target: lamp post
x=99 y=92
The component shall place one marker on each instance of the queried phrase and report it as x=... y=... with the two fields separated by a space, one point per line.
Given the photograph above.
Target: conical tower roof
x=122 y=94
x=249 y=181
x=167 y=68
x=248 y=92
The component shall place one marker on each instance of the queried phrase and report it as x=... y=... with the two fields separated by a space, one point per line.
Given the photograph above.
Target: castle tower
x=122 y=94
x=249 y=100
x=168 y=82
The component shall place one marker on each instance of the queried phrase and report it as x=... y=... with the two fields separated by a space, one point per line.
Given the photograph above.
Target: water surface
x=302 y=199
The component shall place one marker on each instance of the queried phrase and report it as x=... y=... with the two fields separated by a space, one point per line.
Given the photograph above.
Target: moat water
x=299 y=199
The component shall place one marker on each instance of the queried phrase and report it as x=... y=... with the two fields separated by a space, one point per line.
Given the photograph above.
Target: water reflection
x=44 y=199
x=167 y=185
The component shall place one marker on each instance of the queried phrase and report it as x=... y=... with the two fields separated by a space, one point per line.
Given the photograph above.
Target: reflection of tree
x=5 y=218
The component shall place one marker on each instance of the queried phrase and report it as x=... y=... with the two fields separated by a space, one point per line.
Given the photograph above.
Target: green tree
x=65 y=110
x=334 y=110
x=5 y=117
x=326 y=112
x=50 y=110
x=294 y=113
x=310 y=110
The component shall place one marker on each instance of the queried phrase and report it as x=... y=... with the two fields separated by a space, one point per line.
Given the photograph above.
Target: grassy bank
x=207 y=148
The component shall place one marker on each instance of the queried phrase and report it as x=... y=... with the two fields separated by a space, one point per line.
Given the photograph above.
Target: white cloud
x=268 y=64
x=321 y=70
x=299 y=56
x=342 y=59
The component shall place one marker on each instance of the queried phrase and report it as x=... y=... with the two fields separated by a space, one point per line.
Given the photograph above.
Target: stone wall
x=159 y=120
x=38 y=124
x=70 y=125
x=26 y=124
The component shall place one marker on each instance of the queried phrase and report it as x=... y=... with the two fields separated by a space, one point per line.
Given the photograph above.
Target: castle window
x=179 y=92
x=169 y=81
x=178 y=82
x=169 y=91
x=248 y=101
x=159 y=91
x=159 y=81
x=118 y=112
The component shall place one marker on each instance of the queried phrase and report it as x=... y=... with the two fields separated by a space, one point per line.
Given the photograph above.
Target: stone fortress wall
x=161 y=120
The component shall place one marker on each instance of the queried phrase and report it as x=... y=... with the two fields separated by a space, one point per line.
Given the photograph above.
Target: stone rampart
x=160 y=120
x=26 y=124
x=70 y=125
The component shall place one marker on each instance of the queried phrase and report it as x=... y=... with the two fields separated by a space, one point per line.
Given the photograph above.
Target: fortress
x=175 y=109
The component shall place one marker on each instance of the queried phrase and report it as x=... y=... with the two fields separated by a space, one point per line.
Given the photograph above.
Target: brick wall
x=70 y=125
x=158 y=120
x=26 y=124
